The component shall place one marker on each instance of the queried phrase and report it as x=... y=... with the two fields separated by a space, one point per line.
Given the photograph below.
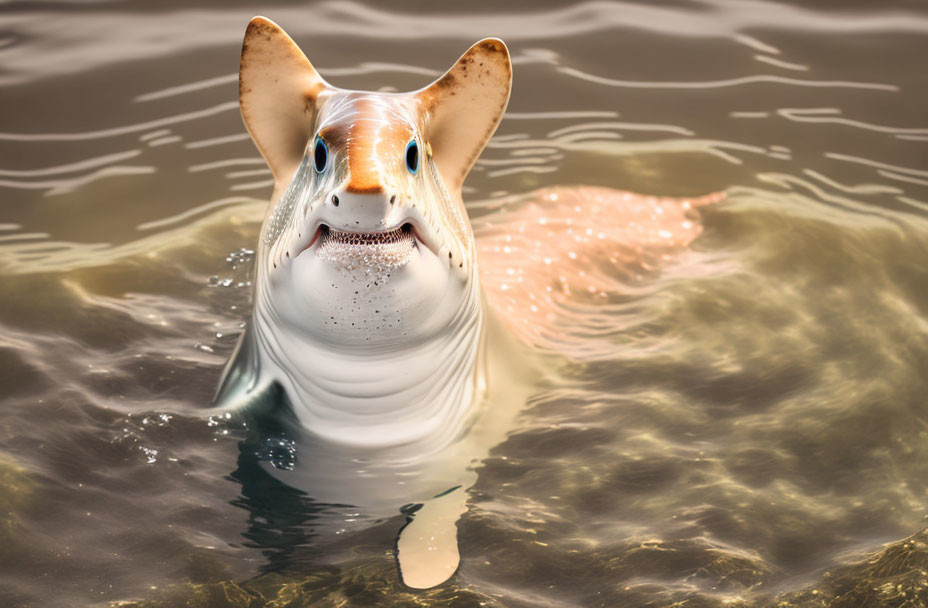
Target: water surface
x=753 y=429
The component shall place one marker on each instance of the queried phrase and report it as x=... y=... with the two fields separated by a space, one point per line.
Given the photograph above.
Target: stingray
x=375 y=298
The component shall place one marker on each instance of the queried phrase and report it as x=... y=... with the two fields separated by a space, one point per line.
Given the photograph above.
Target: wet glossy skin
x=366 y=265
x=368 y=312
x=364 y=253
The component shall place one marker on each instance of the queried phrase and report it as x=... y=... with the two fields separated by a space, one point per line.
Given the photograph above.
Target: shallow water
x=757 y=419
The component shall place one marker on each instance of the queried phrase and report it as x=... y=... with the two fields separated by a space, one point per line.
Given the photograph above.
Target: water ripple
x=858 y=189
x=755 y=44
x=89 y=163
x=114 y=131
x=229 y=162
x=829 y=116
x=154 y=134
x=876 y=164
x=566 y=114
x=253 y=185
x=359 y=70
x=903 y=178
x=195 y=211
x=618 y=126
x=718 y=148
x=63 y=186
x=46 y=49
x=728 y=82
x=218 y=141
x=781 y=64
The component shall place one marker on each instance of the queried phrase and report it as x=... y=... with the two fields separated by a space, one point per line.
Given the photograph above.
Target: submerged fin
x=241 y=381
x=427 y=547
x=552 y=259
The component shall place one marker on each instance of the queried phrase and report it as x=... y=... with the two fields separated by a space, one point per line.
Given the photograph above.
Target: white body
x=368 y=310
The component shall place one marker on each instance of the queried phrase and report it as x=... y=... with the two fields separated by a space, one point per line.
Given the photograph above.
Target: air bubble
x=279 y=452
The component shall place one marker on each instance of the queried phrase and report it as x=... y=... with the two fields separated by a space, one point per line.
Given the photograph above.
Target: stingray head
x=367 y=238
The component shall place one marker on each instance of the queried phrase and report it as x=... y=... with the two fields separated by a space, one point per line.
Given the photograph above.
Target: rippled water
x=759 y=428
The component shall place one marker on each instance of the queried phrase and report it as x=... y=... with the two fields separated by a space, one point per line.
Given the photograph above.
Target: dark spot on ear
x=447 y=81
x=492 y=45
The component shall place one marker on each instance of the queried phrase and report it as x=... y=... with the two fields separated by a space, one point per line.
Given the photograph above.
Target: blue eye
x=412 y=156
x=320 y=155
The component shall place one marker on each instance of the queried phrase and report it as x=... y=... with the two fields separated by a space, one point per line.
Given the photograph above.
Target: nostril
x=335 y=200
x=392 y=199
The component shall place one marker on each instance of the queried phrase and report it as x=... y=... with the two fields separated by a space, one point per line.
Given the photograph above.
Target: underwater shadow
x=284 y=522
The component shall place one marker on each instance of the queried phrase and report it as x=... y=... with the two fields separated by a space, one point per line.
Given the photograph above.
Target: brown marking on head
x=372 y=140
x=281 y=95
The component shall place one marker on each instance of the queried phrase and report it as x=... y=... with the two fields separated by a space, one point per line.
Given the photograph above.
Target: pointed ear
x=465 y=106
x=278 y=88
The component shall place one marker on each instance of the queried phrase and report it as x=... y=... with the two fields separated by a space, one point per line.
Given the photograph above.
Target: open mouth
x=382 y=251
x=397 y=236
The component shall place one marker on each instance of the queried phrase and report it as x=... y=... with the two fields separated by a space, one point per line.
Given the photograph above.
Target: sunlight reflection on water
x=753 y=415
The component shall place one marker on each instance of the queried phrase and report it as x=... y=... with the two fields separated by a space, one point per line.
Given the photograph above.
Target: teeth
x=376 y=254
x=401 y=234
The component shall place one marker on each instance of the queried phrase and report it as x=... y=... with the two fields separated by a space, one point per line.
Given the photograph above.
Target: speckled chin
x=373 y=252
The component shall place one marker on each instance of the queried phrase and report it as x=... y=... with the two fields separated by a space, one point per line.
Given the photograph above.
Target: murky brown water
x=759 y=424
